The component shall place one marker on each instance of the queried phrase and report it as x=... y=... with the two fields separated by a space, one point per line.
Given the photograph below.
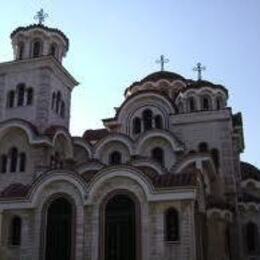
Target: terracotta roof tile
x=95 y=135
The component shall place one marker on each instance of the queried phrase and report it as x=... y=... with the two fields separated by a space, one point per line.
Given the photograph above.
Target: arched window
x=191 y=103
x=115 y=158
x=148 y=119
x=20 y=91
x=62 y=109
x=53 y=50
x=20 y=50
x=171 y=225
x=15 y=231
x=203 y=147
x=251 y=237
x=22 y=162
x=13 y=158
x=36 y=49
x=53 y=101
x=3 y=163
x=158 y=122
x=29 y=96
x=205 y=103
x=219 y=103
x=10 y=99
x=158 y=155
x=58 y=102
x=136 y=125
x=215 y=157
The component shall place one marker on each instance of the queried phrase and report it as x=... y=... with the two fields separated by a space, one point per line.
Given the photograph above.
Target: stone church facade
x=162 y=180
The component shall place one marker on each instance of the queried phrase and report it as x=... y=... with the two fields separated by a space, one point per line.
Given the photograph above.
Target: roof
x=249 y=171
x=156 y=76
x=43 y=27
x=16 y=190
x=95 y=135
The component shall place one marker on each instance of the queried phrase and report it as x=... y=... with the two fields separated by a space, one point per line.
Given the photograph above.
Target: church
x=161 y=180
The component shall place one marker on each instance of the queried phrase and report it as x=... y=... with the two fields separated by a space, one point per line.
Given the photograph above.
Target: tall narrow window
x=53 y=50
x=3 y=163
x=13 y=158
x=158 y=155
x=203 y=147
x=205 y=103
x=251 y=237
x=29 y=96
x=58 y=101
x=215 y=157
x=20 y=91
x=219 y=103
x=53 y=101
x=36 y=49
x=171 y=225
x=20 y=50
x=62 y=109
x=22 y=162
x=136 y=125
x=158 y=122
x=10 y=99
x=115 y=158
x=191 y=103
x=148 y=118
x=15 y=231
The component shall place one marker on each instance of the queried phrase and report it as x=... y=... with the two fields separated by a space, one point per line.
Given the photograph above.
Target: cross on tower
x=162 y=61
x=41 y=16
x=199 y=69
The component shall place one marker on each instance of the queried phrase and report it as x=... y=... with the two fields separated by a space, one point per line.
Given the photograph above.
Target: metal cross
x=41 y=16
x=199 y=69
x=162 y=61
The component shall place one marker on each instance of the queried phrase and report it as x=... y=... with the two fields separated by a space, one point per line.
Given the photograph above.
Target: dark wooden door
x=58 y=235
x=120 y=239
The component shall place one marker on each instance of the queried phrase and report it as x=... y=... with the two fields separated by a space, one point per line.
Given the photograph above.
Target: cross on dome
x=199 y=68
x=41 y=16
x=162 y=61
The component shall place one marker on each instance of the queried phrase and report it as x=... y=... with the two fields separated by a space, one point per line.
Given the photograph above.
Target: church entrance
x=59 y=227
x=120 y=229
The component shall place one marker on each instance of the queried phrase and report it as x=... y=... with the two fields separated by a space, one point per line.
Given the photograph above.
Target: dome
x=155 y=77
x=39 y=40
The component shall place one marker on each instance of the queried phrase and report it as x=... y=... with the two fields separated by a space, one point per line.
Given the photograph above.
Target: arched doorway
x=59 y=230
x=120 y=228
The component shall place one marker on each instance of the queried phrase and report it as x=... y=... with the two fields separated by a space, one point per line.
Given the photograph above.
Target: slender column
x=1 y=227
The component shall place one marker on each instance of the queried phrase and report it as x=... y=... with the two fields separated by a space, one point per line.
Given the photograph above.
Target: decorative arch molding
x=150 y=164
x=249 y=206
x=138 y=98
x=117 y=137
x=93 y=165
x=159 y=133
x=67 y=137
x=32 y=135
x=84 y=144
x=222 y=214
x=53 y=176
x=111 y=172
x=250 y=182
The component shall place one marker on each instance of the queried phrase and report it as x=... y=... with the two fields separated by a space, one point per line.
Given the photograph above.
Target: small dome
x=153 y=78
x=39 y=40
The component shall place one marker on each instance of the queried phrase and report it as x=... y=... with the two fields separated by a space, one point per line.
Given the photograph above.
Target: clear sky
x=115 y=42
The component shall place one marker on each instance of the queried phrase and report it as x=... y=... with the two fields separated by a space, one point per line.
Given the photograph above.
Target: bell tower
x=35 y=86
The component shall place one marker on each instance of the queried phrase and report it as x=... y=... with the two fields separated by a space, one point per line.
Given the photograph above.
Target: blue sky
x=115 y=42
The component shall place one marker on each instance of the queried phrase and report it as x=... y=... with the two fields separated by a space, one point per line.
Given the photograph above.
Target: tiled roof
x=95 y=135
x=16 y=190
x=248 y=171
x=51 y=131
x=41 y=26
